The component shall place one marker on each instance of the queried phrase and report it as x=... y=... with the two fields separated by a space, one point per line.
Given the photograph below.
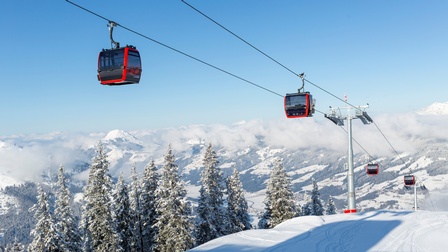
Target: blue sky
x=390 y=54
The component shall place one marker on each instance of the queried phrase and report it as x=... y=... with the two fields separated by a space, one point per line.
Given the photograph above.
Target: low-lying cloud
x=28 y=157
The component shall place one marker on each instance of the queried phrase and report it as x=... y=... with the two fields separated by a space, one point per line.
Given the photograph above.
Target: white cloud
x=41 y=153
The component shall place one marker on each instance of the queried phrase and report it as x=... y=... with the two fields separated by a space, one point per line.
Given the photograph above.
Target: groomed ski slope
x=369 y=231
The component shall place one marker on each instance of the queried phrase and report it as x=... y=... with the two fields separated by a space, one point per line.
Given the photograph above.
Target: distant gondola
x=372 y=169
x=119 y=66
x=299 y=105
x=409 y=180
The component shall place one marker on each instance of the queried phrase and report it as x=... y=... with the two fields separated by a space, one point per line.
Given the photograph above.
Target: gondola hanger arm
x=302 y=76
x=113 y=43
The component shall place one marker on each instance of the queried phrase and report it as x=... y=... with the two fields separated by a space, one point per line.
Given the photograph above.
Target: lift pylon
x=337 y=118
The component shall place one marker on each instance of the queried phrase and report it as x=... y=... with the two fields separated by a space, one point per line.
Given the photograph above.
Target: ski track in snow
x=420 y=235
x=382 y=230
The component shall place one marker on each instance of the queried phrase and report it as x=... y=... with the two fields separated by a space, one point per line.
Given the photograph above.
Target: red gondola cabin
x=409 y=180
x=119 y=66
x=299 y=105
x=372 y=169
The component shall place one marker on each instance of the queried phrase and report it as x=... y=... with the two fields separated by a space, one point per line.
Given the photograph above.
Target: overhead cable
x=288 y=69
x=176 y=50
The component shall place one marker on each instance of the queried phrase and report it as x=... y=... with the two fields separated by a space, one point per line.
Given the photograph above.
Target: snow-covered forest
x=151 y=211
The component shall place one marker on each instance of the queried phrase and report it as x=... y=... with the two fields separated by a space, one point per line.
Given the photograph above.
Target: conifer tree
x=279 y=201
x=331 y=208
x=66 y=223
x=16 y=247
x=212 y=221
x=148 y=205
x=174 y=226
x=134 y=194
x=306 y=208
x=45 y=236
x=316 y=203
x=122 y=216
x=97 y=222
x=237 y=208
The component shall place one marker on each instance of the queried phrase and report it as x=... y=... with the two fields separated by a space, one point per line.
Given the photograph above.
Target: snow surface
x=368 y=231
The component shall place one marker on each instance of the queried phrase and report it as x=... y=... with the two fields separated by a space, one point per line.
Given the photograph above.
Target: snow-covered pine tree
x=331 y=208
x=212 y=221
x=316 y=203
x=134 y=195
x=122 y=215
x=237 y=209
x=45 y=236
x=15 y=247
x=174 y=225
x=97 y=223
x=148 y=205
x=279 y=201
x=66 y=223
x=306 y=208
x=265 y=218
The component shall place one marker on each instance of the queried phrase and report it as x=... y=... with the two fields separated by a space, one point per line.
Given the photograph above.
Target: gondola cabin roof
x=299 y=105
x=119 y=66
x=372 y=169
x=409 y=180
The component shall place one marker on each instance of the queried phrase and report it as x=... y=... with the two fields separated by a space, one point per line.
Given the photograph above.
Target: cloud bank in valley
x=27 y=157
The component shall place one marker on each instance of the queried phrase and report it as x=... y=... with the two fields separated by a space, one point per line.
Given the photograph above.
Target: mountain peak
x=120 y=134
x=437 y=108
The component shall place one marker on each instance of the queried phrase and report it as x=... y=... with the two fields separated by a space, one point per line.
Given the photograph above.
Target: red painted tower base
x=350 y=211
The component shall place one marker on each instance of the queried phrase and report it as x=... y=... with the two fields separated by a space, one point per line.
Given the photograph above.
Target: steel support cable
x=89 y=11
x=387 y=140
x=370 y=157
x=377 y=127
x=231 y=74
x=176 y=50
x=288 y=69
x=411 y=172
x=240 y=38
x=265 y=54
x=368 y=154
x=192 y=57
x=331 y=94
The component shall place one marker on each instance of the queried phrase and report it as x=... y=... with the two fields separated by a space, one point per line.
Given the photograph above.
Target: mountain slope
x=370 y=231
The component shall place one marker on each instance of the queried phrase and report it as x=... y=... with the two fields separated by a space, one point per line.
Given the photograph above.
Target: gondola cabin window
x=112 y=59
x=134 y=64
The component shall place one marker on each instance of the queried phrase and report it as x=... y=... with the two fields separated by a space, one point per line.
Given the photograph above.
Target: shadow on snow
x=347 y=235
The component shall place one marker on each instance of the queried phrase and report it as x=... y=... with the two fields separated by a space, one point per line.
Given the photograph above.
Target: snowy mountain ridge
x=309 y=149
x=438 y=108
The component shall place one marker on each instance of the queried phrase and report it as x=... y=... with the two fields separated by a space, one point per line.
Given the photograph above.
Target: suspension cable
x=265 y=54
x=222 y=70
x=288 y=69
x=176 y=50
x=396 y=152
x=249 y=44
x=234 y=75
x=331 y=94
x=360 y=146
